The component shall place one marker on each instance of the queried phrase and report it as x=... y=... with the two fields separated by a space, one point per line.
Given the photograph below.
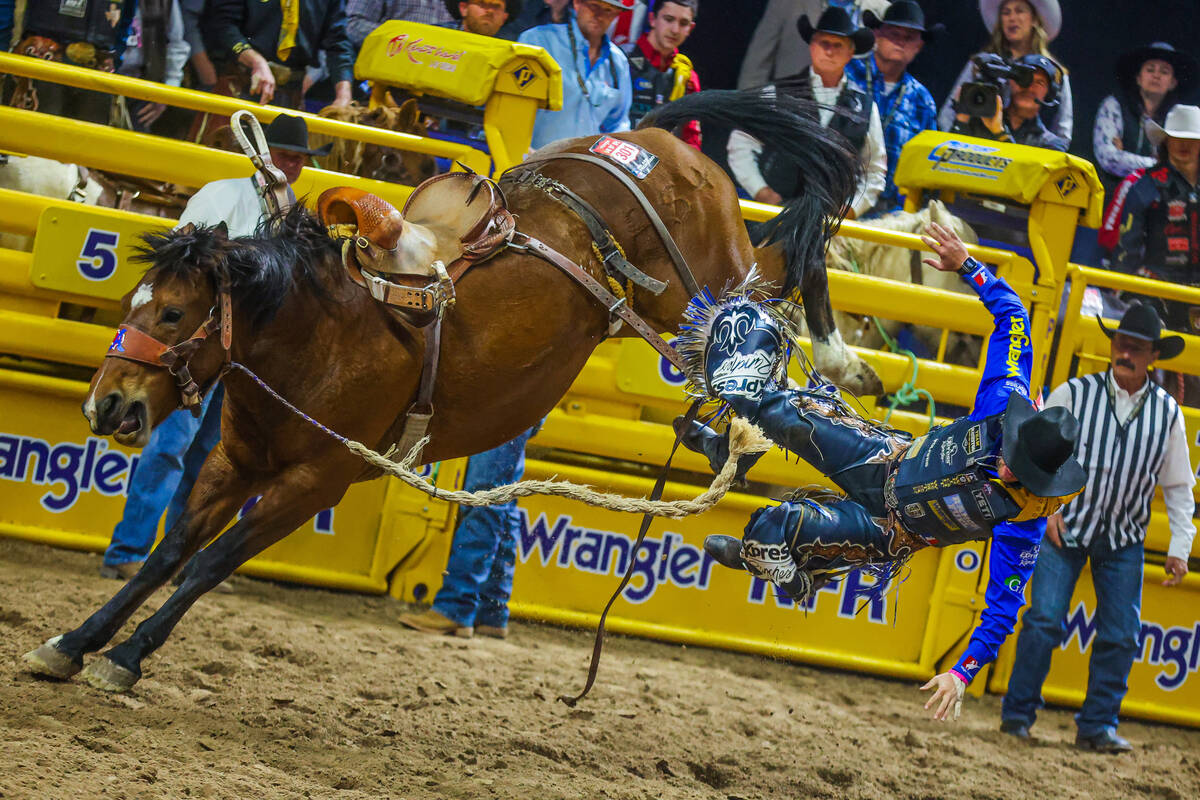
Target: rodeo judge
x=996 y=473
x=1132 y=440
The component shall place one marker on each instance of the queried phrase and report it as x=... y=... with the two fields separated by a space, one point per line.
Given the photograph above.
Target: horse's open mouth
x=132 y=423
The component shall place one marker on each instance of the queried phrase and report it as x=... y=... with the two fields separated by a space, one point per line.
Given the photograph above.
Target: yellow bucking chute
x=510 y=80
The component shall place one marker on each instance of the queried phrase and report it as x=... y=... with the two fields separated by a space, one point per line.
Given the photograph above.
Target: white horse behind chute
x=42 y=176
x=900 y=264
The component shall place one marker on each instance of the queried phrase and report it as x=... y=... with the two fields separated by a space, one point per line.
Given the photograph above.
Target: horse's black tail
x=829 y=169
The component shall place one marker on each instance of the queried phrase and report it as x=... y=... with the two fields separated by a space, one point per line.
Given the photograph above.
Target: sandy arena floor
x=286 y=692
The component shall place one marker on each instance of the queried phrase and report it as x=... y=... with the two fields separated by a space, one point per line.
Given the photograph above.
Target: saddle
x=410 y=260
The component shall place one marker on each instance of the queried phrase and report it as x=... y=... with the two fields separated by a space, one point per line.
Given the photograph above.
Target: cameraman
x=1017 y=120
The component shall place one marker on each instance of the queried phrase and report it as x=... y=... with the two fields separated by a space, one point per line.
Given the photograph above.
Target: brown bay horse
x=519 y=334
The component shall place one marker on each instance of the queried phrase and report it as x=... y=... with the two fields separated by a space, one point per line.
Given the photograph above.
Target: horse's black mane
x=289 y=250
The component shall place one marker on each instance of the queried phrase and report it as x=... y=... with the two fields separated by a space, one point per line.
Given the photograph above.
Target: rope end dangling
x=746 y=437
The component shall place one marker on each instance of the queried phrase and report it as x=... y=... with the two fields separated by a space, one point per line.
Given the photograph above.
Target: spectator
x=590 y=63
x=155 y=50
x=171 y=461
x=771 y=178
x=202 y=66
x=479 y=573
x=775 y=51
x=1019 y=28
x=483 y=17
x=1106 y=525
x=1020 y=119
x=535 y=13
x=656 y=65
x=1150 y=81
x=364 y=16
x=261 y=51
x=906 y=106
x=86 y=33
x=1153 y=222
x=629 y=26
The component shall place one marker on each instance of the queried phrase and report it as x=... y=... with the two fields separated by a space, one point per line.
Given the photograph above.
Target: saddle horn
x=377 y=220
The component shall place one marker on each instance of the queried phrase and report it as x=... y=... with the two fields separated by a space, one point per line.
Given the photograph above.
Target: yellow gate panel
x=1163 y=684
x=60 y=485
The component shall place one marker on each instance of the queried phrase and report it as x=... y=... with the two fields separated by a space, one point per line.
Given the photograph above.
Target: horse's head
x=174 y=340
x=387 y=163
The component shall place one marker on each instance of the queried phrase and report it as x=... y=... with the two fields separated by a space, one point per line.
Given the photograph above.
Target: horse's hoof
x=48 y=660
x=109 y=677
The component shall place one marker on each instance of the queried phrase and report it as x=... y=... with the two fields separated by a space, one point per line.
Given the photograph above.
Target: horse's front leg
x=832 y=357
x=218 y=494
x=296 y=496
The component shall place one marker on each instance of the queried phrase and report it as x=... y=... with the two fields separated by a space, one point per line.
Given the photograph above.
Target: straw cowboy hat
x=1048 y=12
x=1183 y=122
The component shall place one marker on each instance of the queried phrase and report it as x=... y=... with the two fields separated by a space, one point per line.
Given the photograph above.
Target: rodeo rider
x=996 y=473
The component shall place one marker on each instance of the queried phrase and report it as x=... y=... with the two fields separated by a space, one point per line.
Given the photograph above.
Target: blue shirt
x=605 y=107
x=905 y=112
x=1014 y=544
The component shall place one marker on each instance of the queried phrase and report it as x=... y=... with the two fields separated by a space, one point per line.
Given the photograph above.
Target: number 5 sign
x=84 y=250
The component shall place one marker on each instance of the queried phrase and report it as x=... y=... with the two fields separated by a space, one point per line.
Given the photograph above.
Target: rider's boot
x=770 y=562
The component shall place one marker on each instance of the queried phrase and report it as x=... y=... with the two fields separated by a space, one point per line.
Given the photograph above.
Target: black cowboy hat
x=1130 y=64
x=291 y=133
x=904 y=14
x=513 y=7
x=1141 y=322
x=1039 y=448
x=837 y=22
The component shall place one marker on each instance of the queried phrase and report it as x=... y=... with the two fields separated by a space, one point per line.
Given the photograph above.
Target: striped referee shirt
x=1128 y=443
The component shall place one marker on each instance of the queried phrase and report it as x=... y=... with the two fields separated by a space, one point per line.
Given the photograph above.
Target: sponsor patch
x=770 y=561
x=954 y=505
x=914 y=510
x=922 y=488
x=1178 y=244
x=915 y=448
x=981 y=501
x=1013 y=583
x=638 y=161
x=970 y=666
x=949 y=451
x=1028 y=557
x=961 y=479
x=935 y=507
x=1176 y=210
x=973 y=440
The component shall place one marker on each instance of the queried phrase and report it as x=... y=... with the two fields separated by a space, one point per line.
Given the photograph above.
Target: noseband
x=134 y=344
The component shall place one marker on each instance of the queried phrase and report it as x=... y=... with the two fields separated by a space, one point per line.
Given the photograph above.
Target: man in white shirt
x=770 y=177
x=171 y=460
x=1132 y=438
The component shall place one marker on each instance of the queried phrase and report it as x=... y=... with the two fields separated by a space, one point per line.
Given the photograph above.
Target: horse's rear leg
x=218 y=494
x=832 y=357
x=278 y=513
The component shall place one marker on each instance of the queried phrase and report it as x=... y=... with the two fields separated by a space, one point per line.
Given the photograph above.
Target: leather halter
x=134 y=344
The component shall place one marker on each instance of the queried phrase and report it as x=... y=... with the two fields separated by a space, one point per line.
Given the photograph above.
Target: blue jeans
x=1118 y=580
x=166 y=471
x=479 y=573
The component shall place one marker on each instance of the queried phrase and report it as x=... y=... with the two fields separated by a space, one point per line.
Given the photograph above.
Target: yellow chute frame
x=510 y=80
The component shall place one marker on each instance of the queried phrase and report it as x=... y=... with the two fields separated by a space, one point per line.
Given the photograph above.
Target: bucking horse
x=587 y=238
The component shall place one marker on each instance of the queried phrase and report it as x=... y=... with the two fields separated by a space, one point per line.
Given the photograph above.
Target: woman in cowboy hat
x=1018 y=28
x=1153 y=222
x=1150 y=81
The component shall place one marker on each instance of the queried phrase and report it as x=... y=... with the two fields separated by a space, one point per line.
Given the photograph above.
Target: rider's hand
x=1054 y=529
x=262 y=80
x=951 y=251
x=948 y=694
x=768 y=195
x=1176 y=568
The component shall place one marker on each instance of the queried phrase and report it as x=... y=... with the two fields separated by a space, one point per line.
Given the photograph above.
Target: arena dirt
x=289 y=692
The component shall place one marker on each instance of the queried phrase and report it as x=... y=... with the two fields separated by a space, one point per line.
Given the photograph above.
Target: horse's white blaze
x=143 y=295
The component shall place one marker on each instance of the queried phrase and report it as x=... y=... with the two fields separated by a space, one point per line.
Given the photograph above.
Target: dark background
x=1094 y=33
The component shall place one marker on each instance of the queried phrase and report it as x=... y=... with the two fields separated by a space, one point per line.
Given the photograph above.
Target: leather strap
x=522 y=241
x=681 y=265
x=416 y=419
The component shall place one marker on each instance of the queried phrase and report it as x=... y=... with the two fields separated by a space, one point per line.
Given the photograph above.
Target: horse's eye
x=172 y=315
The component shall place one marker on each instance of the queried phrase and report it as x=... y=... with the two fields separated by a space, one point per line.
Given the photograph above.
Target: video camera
x=978 y=98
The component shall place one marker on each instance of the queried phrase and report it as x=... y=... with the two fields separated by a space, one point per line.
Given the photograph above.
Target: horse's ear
x=221 y=231
x=410 y=115
x=389 y=101
x=186 y=230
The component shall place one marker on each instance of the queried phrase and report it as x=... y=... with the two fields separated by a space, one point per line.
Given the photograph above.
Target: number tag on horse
x=637 y=160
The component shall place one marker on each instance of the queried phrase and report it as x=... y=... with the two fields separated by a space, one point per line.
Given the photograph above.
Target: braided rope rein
x=743 y=438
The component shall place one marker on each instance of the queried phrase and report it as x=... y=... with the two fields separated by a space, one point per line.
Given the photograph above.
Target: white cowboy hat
x=1183 y=122
x=1048 y=12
